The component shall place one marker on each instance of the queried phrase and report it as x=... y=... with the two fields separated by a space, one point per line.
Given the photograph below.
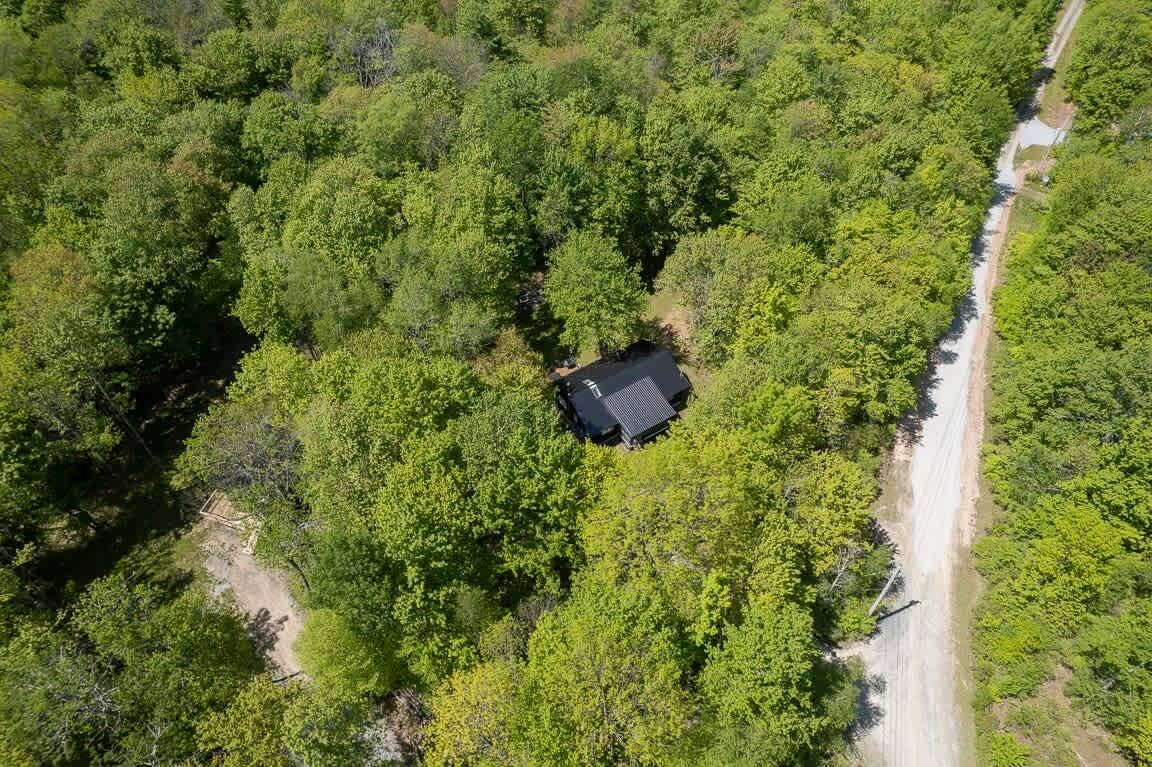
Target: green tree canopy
x=595 y=292
x=603 y=681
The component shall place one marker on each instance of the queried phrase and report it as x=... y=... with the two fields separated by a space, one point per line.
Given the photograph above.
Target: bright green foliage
x=491 y=501
x=324 y=728
x=342 y=214
x=364 y=413
x=475 y=719
x=250 y=730
x=277 y=126
x=689 y=185
x=594 y=291
x=26 y=500
x=150 y=252
x=338 y=658
x=593 y=180
x=187 y=657
x=452 y=271
x=785 y=203
x=414 y=207
x=1114 y=676
x=781 y=419
x=130 y=679
x=29 y=124
x=65 y=347
x=315 y=280
x=600 y=685
x=520 y=18
x=411 y=123
x=682 y=518
x=603 y=682
x=1067 y=568
x=352 y=575
x=999 y=749
x=502 y=113
x=1112 y=61
x=229 y=64
x=1120 y=486
x=759 y=683
x=280 y=725
x=831 y=503
x=724 y=276
x=437 y=498
x=138 y=49
x=510 y=365
x=526 y=484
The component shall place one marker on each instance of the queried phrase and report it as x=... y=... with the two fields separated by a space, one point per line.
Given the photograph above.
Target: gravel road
x=923 y=705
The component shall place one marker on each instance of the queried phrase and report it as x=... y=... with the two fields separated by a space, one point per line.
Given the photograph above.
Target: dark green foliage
x=129 y=676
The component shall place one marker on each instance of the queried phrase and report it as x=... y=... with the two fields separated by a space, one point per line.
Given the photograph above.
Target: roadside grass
x=1032 y=154
x=1036 y=727
x=1044 y=730
x=1055 y=103
x=188 y=551
x=1026 y=209
x=969 y=586
x=663 y=304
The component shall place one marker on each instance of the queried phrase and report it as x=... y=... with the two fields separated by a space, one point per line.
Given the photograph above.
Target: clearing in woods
x=262 y=593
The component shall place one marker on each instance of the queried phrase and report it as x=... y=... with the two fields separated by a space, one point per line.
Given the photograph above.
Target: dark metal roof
x=639 y=408
x=585 y=389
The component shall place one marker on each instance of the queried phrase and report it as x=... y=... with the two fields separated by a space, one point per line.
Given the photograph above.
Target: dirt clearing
x=262 y=593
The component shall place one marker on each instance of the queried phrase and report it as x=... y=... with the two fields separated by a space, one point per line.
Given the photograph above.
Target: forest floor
x=670 y=324
x=928 y=509
x=262 y=593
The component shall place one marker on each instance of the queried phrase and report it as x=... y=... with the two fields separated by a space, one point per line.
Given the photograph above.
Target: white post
x=884 y=591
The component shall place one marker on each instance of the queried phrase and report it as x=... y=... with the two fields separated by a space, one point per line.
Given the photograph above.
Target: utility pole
x=127 y=424
x=884 y=591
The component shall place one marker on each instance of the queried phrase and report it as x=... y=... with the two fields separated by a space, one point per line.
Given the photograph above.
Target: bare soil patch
x=262 y=593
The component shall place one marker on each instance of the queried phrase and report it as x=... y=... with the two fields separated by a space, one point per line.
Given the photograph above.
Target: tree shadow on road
x=869 y=688
x=911 y=425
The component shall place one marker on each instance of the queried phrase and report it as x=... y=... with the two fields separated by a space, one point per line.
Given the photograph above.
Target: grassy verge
x=669 y=319
x=1054 y=100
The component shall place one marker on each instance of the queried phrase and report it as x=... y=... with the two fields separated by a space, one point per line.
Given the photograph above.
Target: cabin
x=630 y=397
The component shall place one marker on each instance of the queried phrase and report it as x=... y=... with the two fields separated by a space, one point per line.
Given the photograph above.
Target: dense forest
x=377 y=224
x=1069 y=570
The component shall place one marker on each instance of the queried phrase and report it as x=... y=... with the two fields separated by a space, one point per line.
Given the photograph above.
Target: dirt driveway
x=262 y=593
